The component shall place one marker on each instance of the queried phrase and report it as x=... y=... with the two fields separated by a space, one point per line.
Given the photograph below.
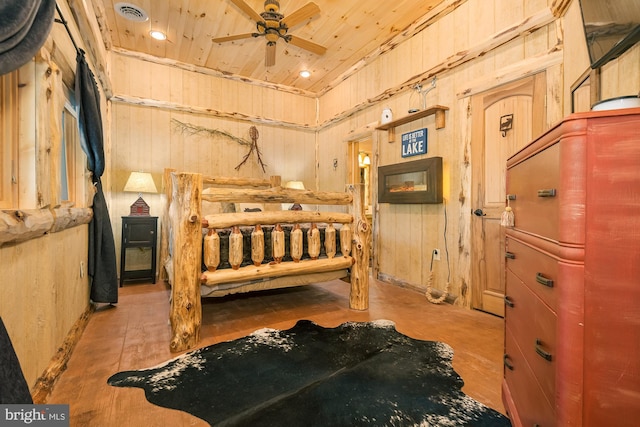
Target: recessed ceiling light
x=158 y=35
x=305 y=74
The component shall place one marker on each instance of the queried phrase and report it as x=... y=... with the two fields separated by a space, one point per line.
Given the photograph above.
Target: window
x=67 y=155
x=72 y=158
x=9 y=140
x=19 y=144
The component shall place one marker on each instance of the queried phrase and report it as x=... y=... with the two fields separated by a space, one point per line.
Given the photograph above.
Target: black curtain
x=102 y=249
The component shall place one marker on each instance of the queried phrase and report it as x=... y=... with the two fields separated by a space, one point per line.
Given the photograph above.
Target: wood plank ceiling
x=349 y=29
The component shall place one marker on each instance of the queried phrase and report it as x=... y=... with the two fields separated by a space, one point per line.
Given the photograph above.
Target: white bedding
x=270 y=283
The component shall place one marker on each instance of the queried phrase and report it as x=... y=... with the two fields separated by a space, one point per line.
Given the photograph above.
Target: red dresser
x=572 y=315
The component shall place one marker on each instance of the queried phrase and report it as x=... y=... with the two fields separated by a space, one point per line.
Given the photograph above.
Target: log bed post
x=186 y=243
x=164 y=224
x=359 y=295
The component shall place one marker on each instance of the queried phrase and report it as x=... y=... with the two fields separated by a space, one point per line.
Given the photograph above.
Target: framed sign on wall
x=414 y=143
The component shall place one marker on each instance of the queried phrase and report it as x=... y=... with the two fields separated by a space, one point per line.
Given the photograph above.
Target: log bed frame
x=183 y=223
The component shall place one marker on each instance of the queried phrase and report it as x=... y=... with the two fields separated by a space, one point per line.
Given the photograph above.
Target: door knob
x=478 y=212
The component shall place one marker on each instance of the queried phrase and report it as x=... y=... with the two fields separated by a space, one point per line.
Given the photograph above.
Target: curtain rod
x=64 y=22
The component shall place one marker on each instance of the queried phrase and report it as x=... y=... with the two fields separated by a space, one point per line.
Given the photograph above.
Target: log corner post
x=186 y=242
x=360 y=249
x=167 y=193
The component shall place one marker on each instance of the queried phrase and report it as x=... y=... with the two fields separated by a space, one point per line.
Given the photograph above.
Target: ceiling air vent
x=131 y=12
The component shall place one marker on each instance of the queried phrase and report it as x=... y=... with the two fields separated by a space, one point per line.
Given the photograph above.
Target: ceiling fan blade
x=231 y=38
x=305 y=12
x=270 y=55
x=248 y=10
x=308 y=45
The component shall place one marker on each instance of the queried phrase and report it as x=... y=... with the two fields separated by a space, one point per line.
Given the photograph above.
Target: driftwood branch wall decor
x=253 y=133
x=190 y=129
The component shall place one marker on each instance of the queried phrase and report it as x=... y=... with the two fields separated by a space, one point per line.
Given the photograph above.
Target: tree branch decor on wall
x=191 y=129
x=253 y=133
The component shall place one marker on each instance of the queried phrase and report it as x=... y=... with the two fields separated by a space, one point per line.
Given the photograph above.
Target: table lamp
x=140 y=182
x=296 y=185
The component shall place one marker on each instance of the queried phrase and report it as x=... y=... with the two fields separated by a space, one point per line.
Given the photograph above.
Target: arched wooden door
x=504 y=120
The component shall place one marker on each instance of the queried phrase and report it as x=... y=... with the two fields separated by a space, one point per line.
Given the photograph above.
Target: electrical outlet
x=436 y=254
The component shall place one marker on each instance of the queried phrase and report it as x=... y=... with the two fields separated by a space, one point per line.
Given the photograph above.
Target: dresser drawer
x=529 y=399
x=536 y=269
x=534 y=183
x=533 y=326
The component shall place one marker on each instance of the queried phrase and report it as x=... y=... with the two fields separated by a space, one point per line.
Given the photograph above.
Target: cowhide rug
x=358 y=374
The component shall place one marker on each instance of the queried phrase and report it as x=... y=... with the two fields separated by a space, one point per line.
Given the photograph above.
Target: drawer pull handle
x=550 y=192
x=511 y=196
x=507 y=364
x=508 y=301
x=544 y=354
x=543 y=280
x=510 y=255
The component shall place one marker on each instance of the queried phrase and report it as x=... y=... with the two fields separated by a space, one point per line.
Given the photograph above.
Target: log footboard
x=182 y=242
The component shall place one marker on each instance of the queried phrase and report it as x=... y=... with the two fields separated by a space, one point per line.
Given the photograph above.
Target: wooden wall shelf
x=438 y=110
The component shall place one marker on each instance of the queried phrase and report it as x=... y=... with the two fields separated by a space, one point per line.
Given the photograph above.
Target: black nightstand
x=138 y=232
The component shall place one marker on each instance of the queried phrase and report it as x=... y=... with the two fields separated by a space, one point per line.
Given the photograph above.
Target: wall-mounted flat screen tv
x=611 y=27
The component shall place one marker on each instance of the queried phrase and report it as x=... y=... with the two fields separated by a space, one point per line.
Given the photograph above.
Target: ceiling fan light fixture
x=158 y=35
x=305 y=74
x=271 y=36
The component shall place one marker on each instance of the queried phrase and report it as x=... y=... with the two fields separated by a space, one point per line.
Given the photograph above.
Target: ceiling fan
x=273 y=26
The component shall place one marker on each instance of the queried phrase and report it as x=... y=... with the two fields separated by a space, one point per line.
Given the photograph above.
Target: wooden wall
x=461 y=50
x=45 y=286
x=405 y=235
x=45 y=290
x=153 y=102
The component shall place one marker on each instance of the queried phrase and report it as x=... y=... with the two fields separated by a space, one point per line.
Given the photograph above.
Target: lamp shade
x=293 y=185
x=296 y=185
x=140 y=182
